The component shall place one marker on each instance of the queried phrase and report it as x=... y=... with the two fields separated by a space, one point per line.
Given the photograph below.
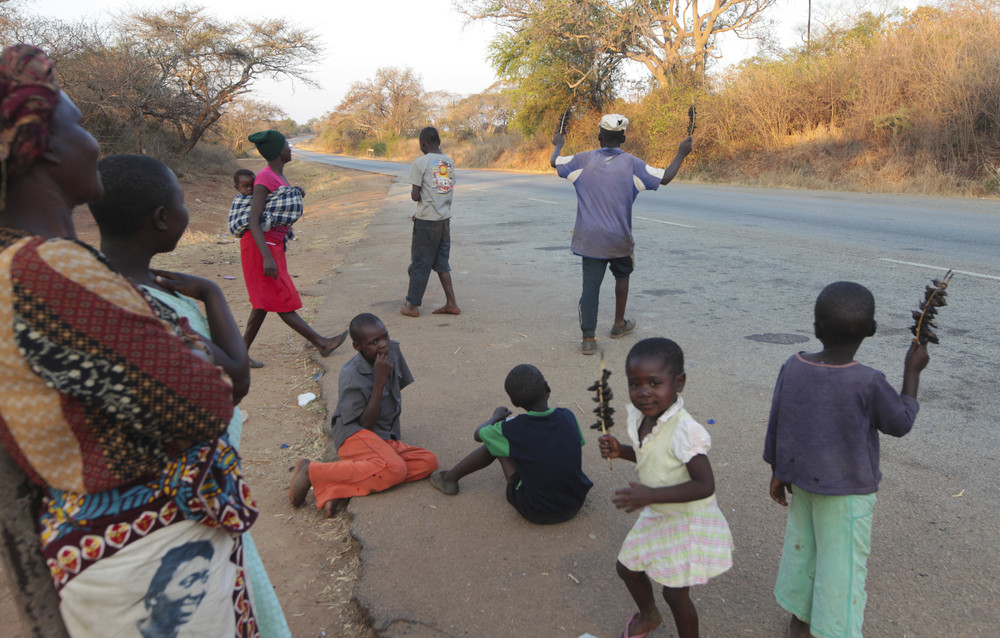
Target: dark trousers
x=593 y=275
x=429 y=251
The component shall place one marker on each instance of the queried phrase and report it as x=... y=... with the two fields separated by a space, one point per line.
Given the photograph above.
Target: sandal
x=617 y=333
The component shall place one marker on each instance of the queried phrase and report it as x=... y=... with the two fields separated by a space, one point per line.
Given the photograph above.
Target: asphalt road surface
x=731 y=274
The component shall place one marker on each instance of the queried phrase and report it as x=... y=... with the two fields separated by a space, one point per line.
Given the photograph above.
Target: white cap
x=614 y=122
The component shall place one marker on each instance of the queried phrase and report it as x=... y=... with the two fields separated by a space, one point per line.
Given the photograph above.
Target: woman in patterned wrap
x=106 y=403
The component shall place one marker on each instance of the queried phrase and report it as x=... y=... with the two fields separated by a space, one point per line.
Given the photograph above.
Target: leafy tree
x=243 y=117
x=568 y=51
x=480 y=114
x=384 y=106
x=207 y=64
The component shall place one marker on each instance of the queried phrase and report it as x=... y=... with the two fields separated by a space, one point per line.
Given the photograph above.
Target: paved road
x=731 y=274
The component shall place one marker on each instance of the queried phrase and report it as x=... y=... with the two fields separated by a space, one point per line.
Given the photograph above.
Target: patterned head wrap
x=28 y=97
x=269 y=143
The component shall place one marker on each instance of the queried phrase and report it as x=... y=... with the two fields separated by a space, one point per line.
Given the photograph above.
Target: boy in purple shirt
x=823 y=438
x=607 y=181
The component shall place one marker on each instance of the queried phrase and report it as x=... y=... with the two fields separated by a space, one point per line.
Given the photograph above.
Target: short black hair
x=612 y=137
x=845 y=311
x=360 y=322
x=240 y=173
x=666 y=349
x=134 y=187
x=430 y=134
x=525 y=385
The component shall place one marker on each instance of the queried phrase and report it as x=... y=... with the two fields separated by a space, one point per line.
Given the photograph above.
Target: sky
x=359 y=37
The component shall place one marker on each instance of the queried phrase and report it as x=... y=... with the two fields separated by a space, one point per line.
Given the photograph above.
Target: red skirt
x=272 y=295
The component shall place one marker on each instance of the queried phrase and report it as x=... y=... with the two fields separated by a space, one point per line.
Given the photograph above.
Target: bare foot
x=409 y=310
x=334 y=505
x=798 y=629
x=300 y=485
x=449 y=309
x=334 y=343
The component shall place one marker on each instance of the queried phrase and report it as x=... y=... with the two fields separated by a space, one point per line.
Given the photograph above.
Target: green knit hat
x=269 y=143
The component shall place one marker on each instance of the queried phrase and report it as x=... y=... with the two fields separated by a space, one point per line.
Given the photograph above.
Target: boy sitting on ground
x=365 y=426
x=539 y=452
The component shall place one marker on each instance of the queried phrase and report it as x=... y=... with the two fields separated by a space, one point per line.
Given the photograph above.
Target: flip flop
x=255 y=364
x=628 y=625
x=617 y=333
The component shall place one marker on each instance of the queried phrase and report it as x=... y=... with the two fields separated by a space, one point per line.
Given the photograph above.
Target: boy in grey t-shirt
x=433 y=180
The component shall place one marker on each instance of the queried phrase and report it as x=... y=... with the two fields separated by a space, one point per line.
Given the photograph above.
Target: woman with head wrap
x=108 y=403
x=276 y=206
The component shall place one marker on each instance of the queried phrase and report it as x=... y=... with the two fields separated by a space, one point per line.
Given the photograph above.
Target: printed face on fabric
x=373 y=342
x=72 y=155
x=653 y=386
x=177 y=588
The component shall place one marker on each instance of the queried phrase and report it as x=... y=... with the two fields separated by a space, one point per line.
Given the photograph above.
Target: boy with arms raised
x=433 y=184
x=823 y=438
x=539 y=453
x=365 y=426
x=607 y=181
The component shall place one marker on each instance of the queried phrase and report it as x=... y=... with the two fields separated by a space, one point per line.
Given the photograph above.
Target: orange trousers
x=369 y=464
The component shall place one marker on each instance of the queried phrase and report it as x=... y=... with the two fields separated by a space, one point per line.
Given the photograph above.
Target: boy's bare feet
x=448 y=309
x=333 y=344
x=409 y=310
x=300 y=485
x=798 y=629
x=334 y=505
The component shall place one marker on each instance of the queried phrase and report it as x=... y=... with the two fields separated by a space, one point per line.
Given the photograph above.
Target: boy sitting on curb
x=365 y=426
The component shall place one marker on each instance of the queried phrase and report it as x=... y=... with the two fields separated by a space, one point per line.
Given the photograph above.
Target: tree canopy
x=562 y=52
x=176 y=69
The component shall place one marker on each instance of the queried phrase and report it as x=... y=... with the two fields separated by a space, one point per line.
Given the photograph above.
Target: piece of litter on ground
x=711 y=421
x=523 y=335
x=228 y=277
x=284 y=446
x=573 y=578
x=959 y=494
x=587 y=636
x=317 y=376
x=306 y=398
x=456 y=352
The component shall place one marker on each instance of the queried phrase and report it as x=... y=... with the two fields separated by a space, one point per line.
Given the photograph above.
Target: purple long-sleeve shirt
x=823 y=432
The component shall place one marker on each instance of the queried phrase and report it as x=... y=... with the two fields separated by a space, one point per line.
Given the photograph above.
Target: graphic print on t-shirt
x=443 y=182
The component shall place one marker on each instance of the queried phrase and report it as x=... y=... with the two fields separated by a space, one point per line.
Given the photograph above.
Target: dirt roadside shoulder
x=313 y=562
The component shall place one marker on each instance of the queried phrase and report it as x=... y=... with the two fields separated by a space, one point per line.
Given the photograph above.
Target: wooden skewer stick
x=600 y=403
x=928 y=303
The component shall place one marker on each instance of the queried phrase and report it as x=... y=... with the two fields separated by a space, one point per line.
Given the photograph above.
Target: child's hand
x=500 y=414
x=302 y=191
x=383 y=367
x=778 y=491
x=917 y=358
x=189 y=285
x=635 y=496
x=610 y=447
